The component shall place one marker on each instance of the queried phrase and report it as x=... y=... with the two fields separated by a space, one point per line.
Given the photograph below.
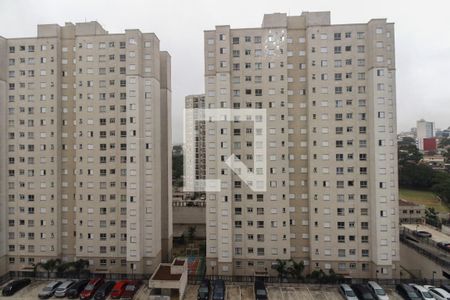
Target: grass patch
x=426 y=198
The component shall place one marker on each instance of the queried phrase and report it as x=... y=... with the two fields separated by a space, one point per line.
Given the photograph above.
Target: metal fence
x=272 y=280
x=5 y=278
x=405 y=239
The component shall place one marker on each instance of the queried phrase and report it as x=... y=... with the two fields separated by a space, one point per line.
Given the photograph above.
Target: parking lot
x=233 y=292
x=300 y=292
x=31 y=292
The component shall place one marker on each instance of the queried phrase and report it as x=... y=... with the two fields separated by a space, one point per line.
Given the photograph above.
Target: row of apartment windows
x=101 y=198
x=89 y=185
x=104 y=45
x=341 y=225
x=326 y=197
x=323 y=90
x=340 y=184
x=338 y=63
x=343 y=252
x=31 y=260
x=323 y=36
x=30 y=61
x=101 y=45
x=89 y=58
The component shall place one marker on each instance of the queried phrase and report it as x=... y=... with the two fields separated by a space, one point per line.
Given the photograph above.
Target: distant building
x=411 y=213
x=195 y=133
x=424 y=130
x=443 y=133
x=407 y=134
x=436 y=162
x=430 y=144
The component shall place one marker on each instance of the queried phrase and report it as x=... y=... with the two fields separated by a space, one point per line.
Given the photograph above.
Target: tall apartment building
x=424 y=130
x=85 y=149
x=195 y=137
x=328 y=92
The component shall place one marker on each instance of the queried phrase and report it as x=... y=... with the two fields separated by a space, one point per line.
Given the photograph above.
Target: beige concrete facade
x=332 y=194
x=86 y=143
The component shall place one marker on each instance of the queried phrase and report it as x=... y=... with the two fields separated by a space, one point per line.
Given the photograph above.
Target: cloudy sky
x=422 y=38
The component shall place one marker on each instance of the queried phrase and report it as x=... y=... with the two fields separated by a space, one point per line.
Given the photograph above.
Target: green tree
x=333 y=277
x=79 y=266
x=408 y=152
x=417 y=176
x=296 y=269
x=444 y=142
x=432 y=217
x=49 y=266
x=318 y=276
x=63 y=267
x=441 y=185
x=191 y=233
x=446 y=155
x=282 y=268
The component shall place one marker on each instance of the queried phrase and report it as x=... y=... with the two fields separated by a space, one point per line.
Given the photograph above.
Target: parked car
x=438 y=293
x=219 y=290
x=422 y=233
x=130 y=290
x=377 y=291
x=347 y=292
x=260 y=290
x=49 y=290
x=444 y=246
x=203 y=290
x=407 y=292
x=446 y=287
x=74 y=291
x=103 y=291
x=362 y=292
x=421 y=291
x=61 y=291
x=91 y=288
x=119 y=288
x=15 y=286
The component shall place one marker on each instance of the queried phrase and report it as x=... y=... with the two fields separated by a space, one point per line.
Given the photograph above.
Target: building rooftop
x=402 y=202
x=163 y=273
x=178 y=262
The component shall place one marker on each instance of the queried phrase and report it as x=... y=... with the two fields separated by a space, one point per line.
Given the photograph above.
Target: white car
x=377 y=291
x=347 y=292
x=439 y=294
x=423 y=292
